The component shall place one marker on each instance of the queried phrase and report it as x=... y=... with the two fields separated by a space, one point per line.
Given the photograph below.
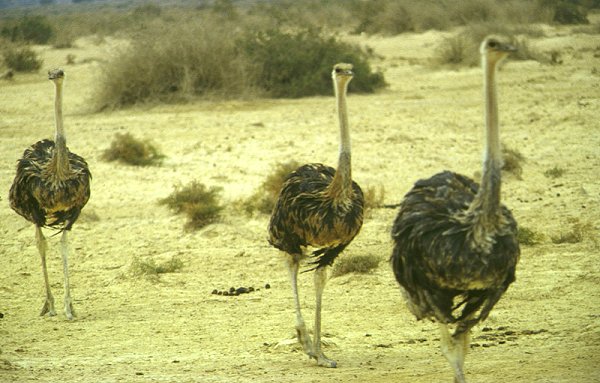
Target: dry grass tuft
x=199 y=203
x=374 y=196
x=264 y=199
x=360 y=264
x=528 y=237
x=128 y=150
x=579 y=231
x=512 y=161
x=462 y=49
x=150 y=269
x=555 y=172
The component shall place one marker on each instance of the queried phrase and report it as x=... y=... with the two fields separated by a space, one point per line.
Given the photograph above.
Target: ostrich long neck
x=341 y=186
x=60 y=159
x=487 y=200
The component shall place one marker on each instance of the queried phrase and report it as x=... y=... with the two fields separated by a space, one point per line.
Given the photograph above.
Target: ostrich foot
x=69 y=311
x=48 y=308
x=323 y=361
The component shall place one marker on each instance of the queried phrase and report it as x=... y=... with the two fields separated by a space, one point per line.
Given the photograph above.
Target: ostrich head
x=493 y=49
x=56 y=75
x=342 y=74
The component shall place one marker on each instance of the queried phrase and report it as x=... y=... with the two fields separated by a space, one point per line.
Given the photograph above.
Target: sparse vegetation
x=528 y=237
x=129 y=150
x=361 y=264
x=374 y=196
x=199 y=203
x=32 y=29
x=555 y=172
x=206 y=65
x=462 y=49
x=568 y=11
x=579 y=230
x=397 y=16
x=215 y=59
x=150 y=269
x=512 y=161
x=264 y=199
x=22 y=59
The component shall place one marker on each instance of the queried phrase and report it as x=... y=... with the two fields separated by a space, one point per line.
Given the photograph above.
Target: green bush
x=568 y=11
x=22 y=59
x=199 y=203
x=298 y=64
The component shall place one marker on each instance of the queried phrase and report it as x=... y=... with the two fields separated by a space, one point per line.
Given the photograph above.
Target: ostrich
x=319 y=207
x=455 y=245
x=51 y=187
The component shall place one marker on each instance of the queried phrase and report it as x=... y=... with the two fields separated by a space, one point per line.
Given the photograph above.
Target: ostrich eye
x=338 y=70
x=493 y=44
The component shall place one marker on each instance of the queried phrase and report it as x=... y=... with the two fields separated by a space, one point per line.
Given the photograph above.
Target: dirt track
x=545 y=329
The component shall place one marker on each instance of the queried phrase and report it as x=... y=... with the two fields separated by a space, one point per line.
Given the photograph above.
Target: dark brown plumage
x=322 y=208
x=307 y=214
x=50 y=188
x=455 y=244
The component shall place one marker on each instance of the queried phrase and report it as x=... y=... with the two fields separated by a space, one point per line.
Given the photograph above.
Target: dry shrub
x=456 y=50
x=361 y=264
x=528 y=237
x=579 y=231
x=462 y=49
x=569 y=11
x=374 y=196
x=512 y=161
x=150 y=269
x=264 y=199
x=35 y=29
x=200 y=204
x=555 y=172
x=22 y=59
x=128 y=150
x=174 y=61
x=397 y=16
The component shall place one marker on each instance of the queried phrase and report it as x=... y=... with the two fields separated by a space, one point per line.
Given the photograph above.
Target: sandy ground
x=128 y=329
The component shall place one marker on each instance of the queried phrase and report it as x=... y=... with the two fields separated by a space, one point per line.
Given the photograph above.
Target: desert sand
x=545 y=329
